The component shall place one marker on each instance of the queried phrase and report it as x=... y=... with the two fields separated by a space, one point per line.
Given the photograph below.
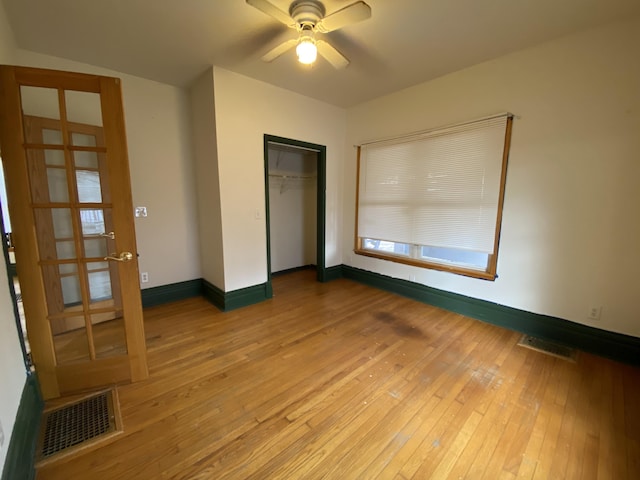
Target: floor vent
x=72 y=427
x=548 y=347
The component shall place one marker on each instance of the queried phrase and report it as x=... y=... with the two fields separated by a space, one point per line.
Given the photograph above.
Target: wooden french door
x=67 y=176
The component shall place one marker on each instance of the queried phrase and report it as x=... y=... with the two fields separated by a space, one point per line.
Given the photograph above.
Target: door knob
x=120 y=257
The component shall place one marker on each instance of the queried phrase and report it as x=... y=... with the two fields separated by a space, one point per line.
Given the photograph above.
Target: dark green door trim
x=11 y=272
x=321 y=202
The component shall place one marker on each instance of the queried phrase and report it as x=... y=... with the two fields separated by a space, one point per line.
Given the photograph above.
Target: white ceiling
x=406 y=42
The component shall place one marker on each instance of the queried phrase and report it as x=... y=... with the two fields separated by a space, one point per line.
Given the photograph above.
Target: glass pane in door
x=54 y=157
x=70 y=286
x=109 y=335
x=95 y=247
x=40 y=102
x=51 y=136
x=70 y=340
x=88 y=185
x=48 y=181
x=100 y=286
x=57 y=183
x=83 y=108
x=86 y=159
x=83 y=140
x=92 y=221
x=54 y=230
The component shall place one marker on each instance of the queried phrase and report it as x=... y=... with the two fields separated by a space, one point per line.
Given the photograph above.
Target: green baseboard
x=223 y=300
x=243 y=297
x=331 y=273
x=20 y=460
x=171 y=293
x=624 y=348
x=213 y=294
x=617 y=346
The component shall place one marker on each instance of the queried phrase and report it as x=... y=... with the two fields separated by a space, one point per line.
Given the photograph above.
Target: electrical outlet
x=594 y=312
x=144 y=277
x=140 y=212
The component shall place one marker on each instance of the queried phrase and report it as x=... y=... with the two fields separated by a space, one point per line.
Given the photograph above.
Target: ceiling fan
x=308 y=18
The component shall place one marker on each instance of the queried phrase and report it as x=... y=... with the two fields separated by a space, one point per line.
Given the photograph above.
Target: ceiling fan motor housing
x=307 y=13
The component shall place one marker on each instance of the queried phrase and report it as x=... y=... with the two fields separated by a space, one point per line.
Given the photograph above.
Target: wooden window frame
x=490 y=273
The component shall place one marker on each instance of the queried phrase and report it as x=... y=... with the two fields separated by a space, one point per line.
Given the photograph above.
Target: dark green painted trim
x=171 y=293
x=267 y=216
x=213 y=294
x=243 y=297
x=21 y=452
x=12 y=272
x=620 y=347
x=332 y=273
x=321 y=201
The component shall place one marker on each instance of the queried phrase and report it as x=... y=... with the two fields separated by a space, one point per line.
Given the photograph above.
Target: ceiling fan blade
x=333 y=56
x=273 y=11
x=274 y=53
x=354 y=13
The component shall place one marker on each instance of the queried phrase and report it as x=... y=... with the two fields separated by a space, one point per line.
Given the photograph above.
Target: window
x=434 y=199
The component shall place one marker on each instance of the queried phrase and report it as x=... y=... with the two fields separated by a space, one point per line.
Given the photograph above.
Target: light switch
x=140 y=212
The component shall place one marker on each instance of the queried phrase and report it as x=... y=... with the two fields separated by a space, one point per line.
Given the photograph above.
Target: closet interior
x=293 y=174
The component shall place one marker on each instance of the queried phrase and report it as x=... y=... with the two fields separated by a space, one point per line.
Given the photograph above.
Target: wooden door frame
x=321 y=151
x=55 y=378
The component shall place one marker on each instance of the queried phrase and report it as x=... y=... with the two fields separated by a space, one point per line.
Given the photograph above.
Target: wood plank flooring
x=343 y=381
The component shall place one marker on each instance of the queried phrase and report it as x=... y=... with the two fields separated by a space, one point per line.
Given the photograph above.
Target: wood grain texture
x=36 y=240
x=343 y=381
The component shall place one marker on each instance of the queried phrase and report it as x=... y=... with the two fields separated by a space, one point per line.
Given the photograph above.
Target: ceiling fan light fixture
x=307 y=51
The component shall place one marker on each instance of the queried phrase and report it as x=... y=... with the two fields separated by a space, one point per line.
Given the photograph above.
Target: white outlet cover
x=140 y=212
x=594 y=312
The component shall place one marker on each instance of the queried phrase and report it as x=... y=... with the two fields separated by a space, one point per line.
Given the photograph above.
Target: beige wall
x=246 y=109
x=158 y=126
x=207 y=179
x=571 y=223
x=12 y=369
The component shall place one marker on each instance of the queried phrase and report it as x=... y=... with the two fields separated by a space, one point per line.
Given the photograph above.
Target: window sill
x=483 y=275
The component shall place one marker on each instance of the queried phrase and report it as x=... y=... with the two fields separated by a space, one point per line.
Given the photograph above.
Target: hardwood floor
x=343 y=381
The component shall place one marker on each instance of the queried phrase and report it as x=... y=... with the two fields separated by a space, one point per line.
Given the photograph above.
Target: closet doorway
x=295 y=188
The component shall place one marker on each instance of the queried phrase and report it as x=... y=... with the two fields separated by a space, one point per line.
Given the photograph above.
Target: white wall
x=246 y=109
x=158 y=127
x=292 y=208
x=12 y=369
x=207 y=179
x=571 y=224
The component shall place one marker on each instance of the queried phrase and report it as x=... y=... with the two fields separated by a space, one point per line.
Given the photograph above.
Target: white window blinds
x=440 y=188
